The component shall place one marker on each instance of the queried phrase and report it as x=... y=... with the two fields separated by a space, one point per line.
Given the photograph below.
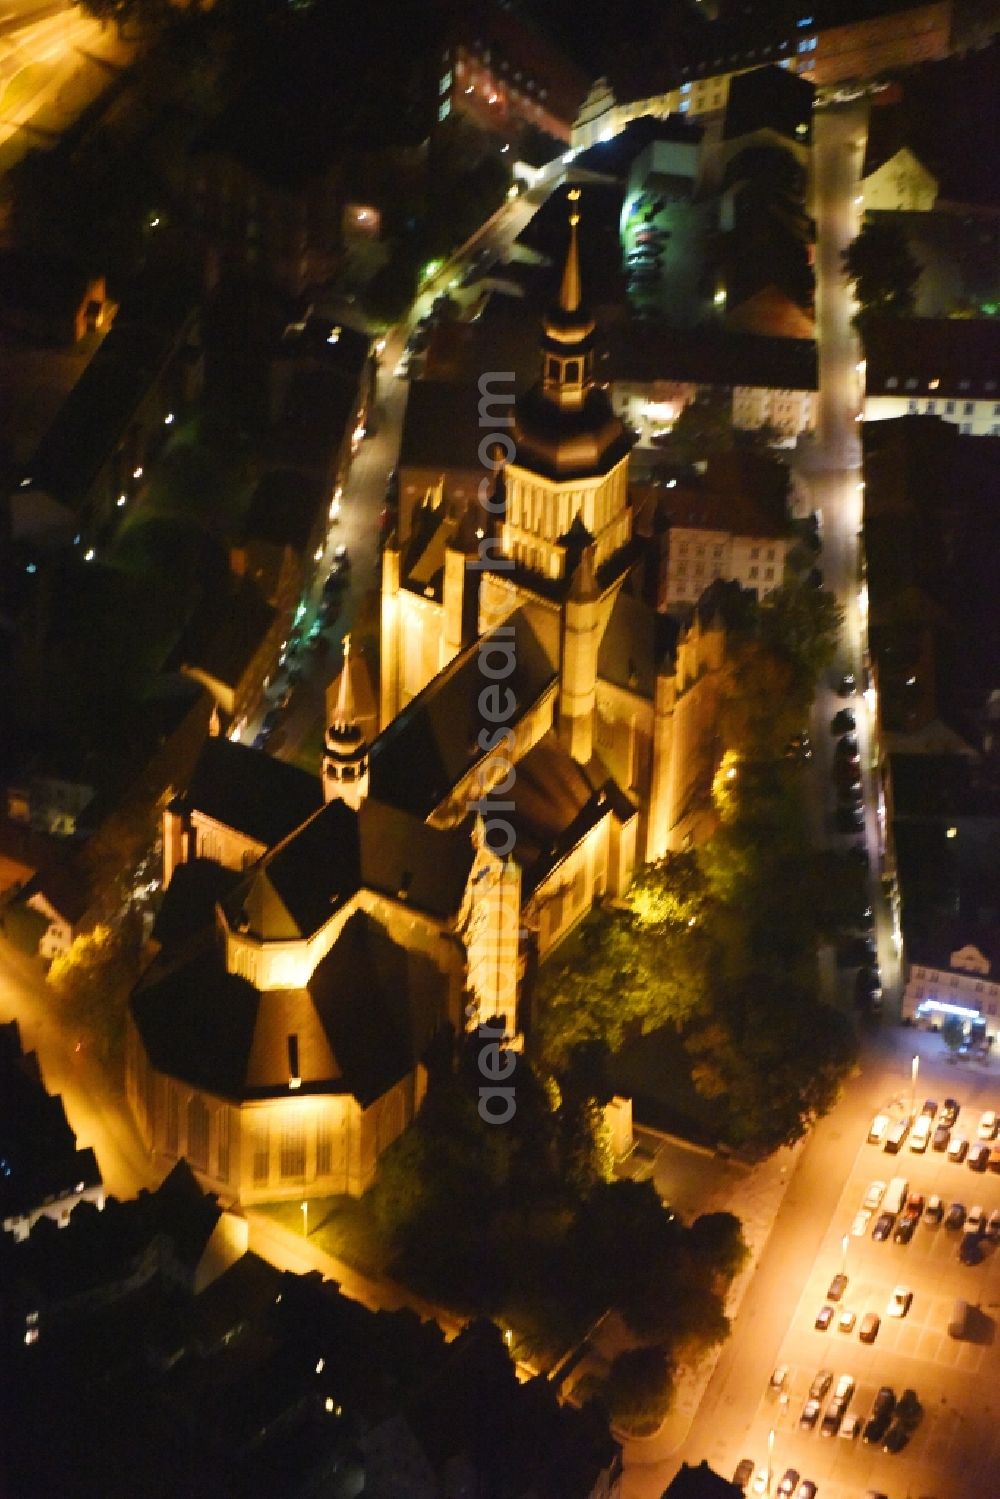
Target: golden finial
x=569 y=291
x=347 y=645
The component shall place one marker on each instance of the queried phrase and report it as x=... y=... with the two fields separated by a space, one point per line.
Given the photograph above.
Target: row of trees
x=720 y=942
x=884 y=272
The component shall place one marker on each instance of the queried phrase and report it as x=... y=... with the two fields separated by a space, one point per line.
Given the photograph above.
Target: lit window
x=444 y=109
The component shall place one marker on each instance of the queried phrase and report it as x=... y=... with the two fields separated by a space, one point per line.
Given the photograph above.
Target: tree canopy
x=885 y=273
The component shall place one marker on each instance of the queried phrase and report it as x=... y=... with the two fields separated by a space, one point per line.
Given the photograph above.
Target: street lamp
x=770 y=1458
x=914 y=1070
x=845 y=1241
x=305 y=1220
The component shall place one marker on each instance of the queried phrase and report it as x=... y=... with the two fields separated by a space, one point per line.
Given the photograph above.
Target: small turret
x=345 y=751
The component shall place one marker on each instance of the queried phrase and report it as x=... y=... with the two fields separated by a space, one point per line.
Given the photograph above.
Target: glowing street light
x=914 y=1073
x=844 y=1245
x=305 y=1220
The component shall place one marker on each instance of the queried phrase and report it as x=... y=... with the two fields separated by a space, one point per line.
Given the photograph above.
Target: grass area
x=344 y=1227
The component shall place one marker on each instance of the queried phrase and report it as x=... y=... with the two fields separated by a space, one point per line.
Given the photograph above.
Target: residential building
x=505 y=76
x=825 y=50
x=42 y=1172
x=942 y=367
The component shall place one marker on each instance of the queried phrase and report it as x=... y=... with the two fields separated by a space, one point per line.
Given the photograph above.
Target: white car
x=974 y=1222
x=844 y=1388
x=987 y=1126
x=874 y=1195
x=862 y=1218
x=899 y=1302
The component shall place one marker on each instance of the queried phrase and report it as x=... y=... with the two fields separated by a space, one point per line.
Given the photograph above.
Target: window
x=911 y=407
x=969 y=408
x=260 y=1148
x=995 y=430
x=197 y=1133
x=681 y=569
x=754 y=552
x=996 y=410
x=892 y=382
x=223 y=1144
x=911 y=384
x=573 y=370
x=446 y=81
x=769 y=573
x=173 y=1119
x=754 y=571
x=966 y=428
x=324 y=1147
x=770 y=554
x=931 y=408
x=683 y=548
x=444 y=109
x=949 y=408
x=808 y=44
x=718 y=551
x=292 y=1152
x=963 y=384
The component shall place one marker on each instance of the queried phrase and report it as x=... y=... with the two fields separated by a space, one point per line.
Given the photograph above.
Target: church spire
x=569 y=290
x=345 y=753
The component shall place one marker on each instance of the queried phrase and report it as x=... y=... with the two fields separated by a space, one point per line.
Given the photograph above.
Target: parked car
x=974 y=1222
x=850 y=1428
x=896 y=1437
x=778 y=1378
x=874 y=1195
x=837 y=1286
x=955 y=1216
x=832 y=1417
x=908 y=1408
x=995 y=1157
x=849 y=819
x=958 y=1149
x=789 y=1479
x=993 y=1226
x=843 y=722
x=806 y=1489
x=950 y=1110
x=979 y=1157
x=847 y=686
x=743 y=1473
x=905 y=1228
x=823 y=1318
x=986 y=1129
x=862 y=1218
x=847 y=777
x=883 y=1227
x=810 y=1414
x=934 y=1212
x=846 y=1320
x=820 y=1385
x=970 y=1251
x=941 y=1138
x=881 y=1415
x=858 y=854
x=870 y=1324
x=847 y=748
x=900 y=1301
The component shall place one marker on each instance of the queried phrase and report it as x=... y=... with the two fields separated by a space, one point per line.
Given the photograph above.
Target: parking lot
x=954 y=1452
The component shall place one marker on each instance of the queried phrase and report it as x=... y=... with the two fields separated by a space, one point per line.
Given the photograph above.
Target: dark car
x=883 y=1227
x=847 y=748
x=905 y=1228
x=882 y=1409
x=823 y=1318
x=843 y=722
x=941 y=1138
x=847 y=686
x=850 y=796
x=930 y=1108
x=896 y=1437
x=950 y=1110
x=909 y=1409
x=847 y=777
x=955 y=1216
x=789 y=1479
x=837 y=1287
x=849 y=819
x=743 y=1473
x=832 y=1417
x=979 y=1157
x=970 y=1251
x=820 y=1385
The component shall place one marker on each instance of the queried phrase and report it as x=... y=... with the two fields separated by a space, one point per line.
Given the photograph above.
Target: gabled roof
x=190 y=899
x=434 y=742
x=295 y=887
x=359 y=1024
x=405 y=859
x=250 y=792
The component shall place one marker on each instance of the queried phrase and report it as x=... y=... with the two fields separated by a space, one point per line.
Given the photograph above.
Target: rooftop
x=246 y=789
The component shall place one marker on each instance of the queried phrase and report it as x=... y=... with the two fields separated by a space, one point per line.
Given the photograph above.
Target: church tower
x=570 y=450
x=345 y=751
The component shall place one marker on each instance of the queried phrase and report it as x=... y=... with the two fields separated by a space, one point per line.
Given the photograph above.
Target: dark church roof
x=428 y=748
x=566 y=443
x=190 y=899
x=293 y=889
x=244 y=789
x=359 y=1024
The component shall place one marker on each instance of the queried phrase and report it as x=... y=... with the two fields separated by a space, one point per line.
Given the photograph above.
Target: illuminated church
x=541 y=727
